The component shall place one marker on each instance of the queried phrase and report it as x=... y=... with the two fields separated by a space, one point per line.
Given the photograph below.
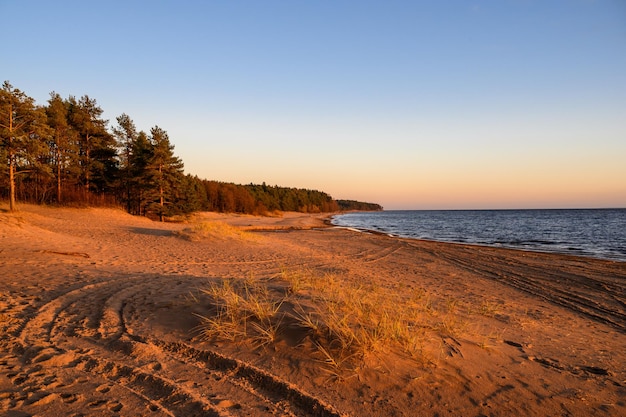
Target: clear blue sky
x=410 y=104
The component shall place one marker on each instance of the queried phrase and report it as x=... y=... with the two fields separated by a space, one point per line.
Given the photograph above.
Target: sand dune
x=102 y=313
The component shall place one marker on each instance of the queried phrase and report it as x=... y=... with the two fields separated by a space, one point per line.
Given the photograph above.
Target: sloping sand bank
x=102 y=313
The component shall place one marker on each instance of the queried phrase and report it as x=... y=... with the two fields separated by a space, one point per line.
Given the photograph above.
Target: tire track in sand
x=85 y=334
x=564 y=287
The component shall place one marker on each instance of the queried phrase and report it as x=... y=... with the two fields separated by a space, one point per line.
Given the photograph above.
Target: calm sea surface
x=599 y=233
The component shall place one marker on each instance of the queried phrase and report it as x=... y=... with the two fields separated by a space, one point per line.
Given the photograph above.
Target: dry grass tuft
x=214 y=230
x=488 y=309
x=242 y=308
x=344 y=322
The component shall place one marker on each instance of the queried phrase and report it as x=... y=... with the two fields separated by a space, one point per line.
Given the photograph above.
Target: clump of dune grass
x=213 y=230
x=488 y=309
x=242 y=309
x=344 y=322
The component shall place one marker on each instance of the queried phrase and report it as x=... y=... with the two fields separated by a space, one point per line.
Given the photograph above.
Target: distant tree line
x=65 y=153
x=347 y=205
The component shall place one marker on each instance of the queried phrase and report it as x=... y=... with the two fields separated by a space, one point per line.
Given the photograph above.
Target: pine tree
x=141 y=175
x=126 y=135
x=22 y=127
x=191 y=195
x=63 y=141
x=97 y=153
x=167 y=170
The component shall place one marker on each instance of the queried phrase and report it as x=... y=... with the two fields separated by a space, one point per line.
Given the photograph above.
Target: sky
x=410 y=104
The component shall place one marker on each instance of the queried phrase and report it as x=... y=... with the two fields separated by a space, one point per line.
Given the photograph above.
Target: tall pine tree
x=97 y=153
x=63 y=142
x=126 y=135
x=22 y=131
x=140 y=158
x=166 y=170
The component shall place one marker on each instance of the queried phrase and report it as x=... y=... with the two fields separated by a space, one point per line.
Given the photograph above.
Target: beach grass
x=216 y=230
x=342 y=322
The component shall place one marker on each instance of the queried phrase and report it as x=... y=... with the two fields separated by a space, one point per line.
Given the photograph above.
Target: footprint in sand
x=103 y=389
x=68 y=398
x=19 y=378
x=97 y=403
x=40 y=398
x=228 y=404
x=116 y=407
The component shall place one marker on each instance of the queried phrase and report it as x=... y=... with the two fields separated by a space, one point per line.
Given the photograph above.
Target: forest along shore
x=109 y=166
x=103 y=313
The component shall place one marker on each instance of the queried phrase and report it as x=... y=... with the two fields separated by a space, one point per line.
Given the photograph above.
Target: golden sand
x=103 y=313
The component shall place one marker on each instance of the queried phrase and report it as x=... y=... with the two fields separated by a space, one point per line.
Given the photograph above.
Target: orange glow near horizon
x=467 y=190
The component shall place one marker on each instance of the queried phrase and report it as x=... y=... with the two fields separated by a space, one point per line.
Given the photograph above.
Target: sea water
x=599 y=233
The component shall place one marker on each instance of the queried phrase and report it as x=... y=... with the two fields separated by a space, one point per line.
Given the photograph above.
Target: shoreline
x=546 y=248
x=105 y=317
x=478 y=245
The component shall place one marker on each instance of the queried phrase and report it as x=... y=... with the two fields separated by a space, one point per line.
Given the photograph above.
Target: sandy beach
x=106 y=314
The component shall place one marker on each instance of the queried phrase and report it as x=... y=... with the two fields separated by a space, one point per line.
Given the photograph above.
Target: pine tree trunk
x=58 y=177
x=11 y=180
x=11 y=164
x=161 y=199
x=87 y=167
x=162 y=204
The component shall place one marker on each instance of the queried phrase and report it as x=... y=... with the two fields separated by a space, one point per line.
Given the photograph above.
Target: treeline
x=349 y=205
x=254 y=199
x=65 y=153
